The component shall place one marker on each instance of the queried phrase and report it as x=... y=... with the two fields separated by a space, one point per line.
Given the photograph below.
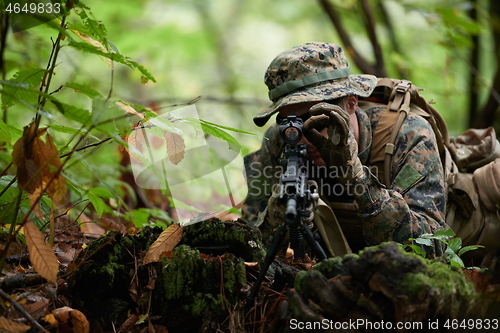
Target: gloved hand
x=340 y=149
x=276 y=212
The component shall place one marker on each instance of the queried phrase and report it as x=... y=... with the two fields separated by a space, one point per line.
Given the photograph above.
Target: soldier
x=314 y=82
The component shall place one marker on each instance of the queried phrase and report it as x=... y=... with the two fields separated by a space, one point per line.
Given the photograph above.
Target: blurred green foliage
x=219 y=50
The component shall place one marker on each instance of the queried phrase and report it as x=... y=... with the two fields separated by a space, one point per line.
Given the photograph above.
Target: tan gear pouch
x=475 y=148
x=464 y=214
x=487 y=179
x=472 y=210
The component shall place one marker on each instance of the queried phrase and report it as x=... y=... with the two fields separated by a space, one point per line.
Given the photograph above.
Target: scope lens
x=292 y=134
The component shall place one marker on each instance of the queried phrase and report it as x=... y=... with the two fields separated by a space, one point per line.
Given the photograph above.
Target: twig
x=95 y=144
x=372 y=34
x=334 y=17
x=22 y=311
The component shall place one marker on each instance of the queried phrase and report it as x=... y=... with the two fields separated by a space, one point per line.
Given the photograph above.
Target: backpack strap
x=389 y=124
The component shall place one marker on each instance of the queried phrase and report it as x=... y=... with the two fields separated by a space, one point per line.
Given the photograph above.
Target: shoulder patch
x=407 y=177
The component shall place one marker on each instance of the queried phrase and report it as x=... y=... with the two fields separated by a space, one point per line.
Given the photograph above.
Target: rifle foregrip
x=291 y=209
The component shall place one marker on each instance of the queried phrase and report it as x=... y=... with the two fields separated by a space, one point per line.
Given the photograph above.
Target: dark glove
x=339 y=149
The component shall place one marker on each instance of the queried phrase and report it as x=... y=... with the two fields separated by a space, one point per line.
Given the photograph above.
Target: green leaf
x=5 y=180
x=72 y=112
x=469 y=248
x=215 y=131
x=456 y=261
x=83 y=89
x=97 y=202
x=424 y=241
x=86 y=47
x=23 y=86
x=93 y=27
x=139 y=217
x=5 y=135
x=418 y=250
x=79 y=27
x=101 y=192
x=455 y=244
x=227 y=128
x=133 y=64
x=67 y=130
x=442 y=234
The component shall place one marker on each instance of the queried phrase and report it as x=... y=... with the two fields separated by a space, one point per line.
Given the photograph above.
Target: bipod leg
x=271 y=254
x=313 y=244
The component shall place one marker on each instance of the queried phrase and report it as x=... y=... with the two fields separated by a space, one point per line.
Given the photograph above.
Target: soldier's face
x=300 y=109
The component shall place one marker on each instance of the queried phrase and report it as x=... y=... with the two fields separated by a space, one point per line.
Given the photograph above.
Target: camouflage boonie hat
x=308 y=73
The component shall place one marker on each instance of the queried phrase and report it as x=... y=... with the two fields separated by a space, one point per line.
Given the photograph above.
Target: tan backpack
x=470 y=162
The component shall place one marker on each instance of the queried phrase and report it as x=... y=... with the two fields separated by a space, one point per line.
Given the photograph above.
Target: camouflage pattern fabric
x=308 y=73
x=412 y=206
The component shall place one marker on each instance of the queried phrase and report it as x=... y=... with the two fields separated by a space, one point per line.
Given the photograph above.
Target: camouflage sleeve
x=415 y=202
x=261 y=168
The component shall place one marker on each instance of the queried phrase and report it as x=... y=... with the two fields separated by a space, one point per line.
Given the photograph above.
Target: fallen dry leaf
x=50 y=319
x=42 y=256
x=7 y=325
x=72 y=317
x=109 y=224
x=167 y=240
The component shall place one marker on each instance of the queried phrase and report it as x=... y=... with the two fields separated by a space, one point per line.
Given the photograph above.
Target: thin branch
x=372 y=34
x=474 y=63
x=386 y=19
x=95 y=144
x=490 y=109
x=22 y=311
x=360 y=62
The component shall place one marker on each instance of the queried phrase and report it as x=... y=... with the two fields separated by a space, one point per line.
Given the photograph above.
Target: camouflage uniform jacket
x=413 y=205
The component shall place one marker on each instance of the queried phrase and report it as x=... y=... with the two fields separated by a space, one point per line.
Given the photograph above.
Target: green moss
x=443 y=288
x=194 y=283
x=218 y=237
x=444 y=285
x=191 y=284
x=298 y=281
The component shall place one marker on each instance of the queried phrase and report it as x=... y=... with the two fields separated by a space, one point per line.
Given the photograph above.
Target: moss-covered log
x=198 y=285
x=383 y=284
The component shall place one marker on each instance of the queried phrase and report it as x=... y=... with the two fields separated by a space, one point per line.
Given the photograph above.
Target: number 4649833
x=39 y=8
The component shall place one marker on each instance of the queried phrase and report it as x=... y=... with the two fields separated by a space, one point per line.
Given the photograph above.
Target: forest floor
x=202 y=285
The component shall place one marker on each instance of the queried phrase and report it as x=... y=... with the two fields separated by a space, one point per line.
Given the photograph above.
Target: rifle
x=296 y=197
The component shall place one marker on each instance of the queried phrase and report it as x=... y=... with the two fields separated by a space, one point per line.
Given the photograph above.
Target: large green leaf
x=97 y=202
x=94 y=27
x=22 y=87
x=80 y=88
x=227 y=128
x=5 y=135
x=72 y=112
x=86 y=47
